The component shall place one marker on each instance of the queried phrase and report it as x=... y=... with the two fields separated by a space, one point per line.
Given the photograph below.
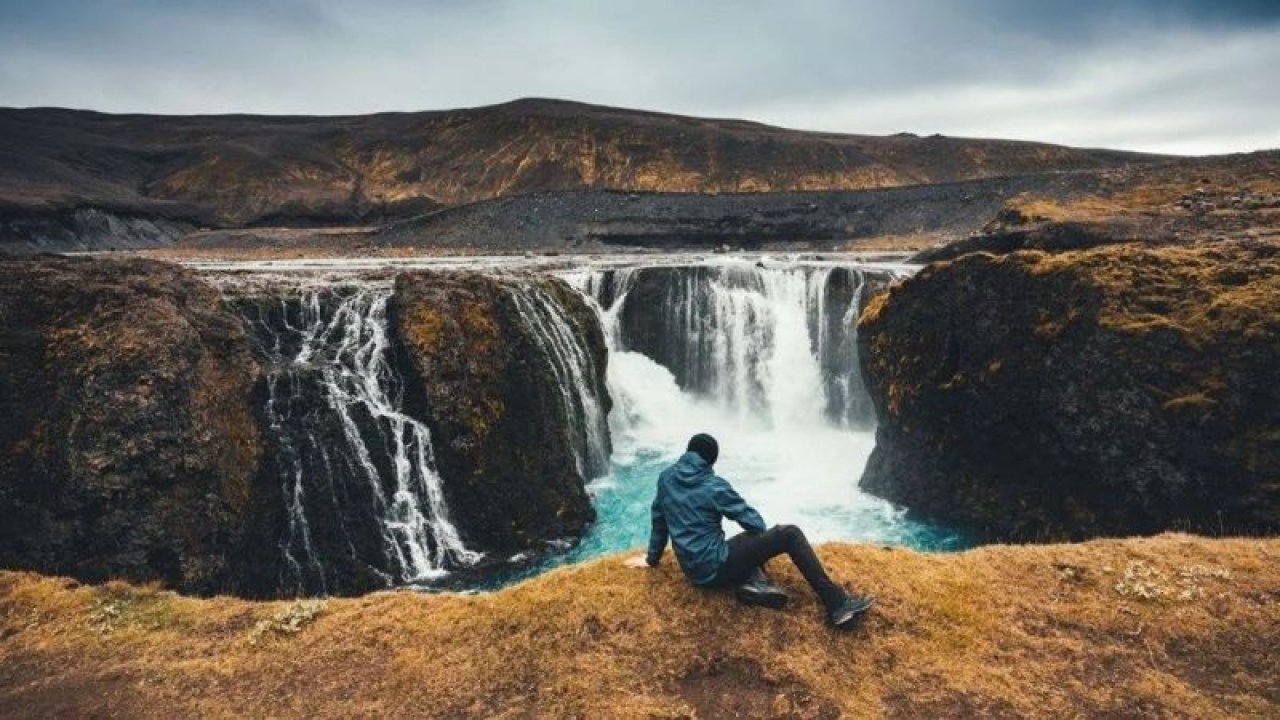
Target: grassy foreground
x=1168 y=626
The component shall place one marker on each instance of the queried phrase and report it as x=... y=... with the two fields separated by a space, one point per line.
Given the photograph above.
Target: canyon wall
x=1110 y=391
x=128 y=446
x=509 y=374
x=289 y=440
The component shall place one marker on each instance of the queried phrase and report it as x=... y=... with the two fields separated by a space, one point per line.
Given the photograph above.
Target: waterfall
x=847 y=399
x=771 y=343
x=564 y=349
x=358 y=478
x=763 y=356
x=605 y=290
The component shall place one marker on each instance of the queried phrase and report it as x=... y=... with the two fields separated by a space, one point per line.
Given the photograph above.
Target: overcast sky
x=1159 y=75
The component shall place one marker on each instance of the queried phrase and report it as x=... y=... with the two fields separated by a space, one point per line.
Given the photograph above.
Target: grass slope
x=1168 y=626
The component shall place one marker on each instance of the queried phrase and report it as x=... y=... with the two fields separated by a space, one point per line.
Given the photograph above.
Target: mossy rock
x=128 y=446
x=502 y=437
x=1110 y=391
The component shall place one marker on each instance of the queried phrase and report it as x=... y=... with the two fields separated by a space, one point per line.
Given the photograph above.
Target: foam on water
x=804 y=475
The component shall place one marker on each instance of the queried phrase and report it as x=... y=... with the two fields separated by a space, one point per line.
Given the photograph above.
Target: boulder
x=485 y=365
x=1116 y=390
x=128 y=445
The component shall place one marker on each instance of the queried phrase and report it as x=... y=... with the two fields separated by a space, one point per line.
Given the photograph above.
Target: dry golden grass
x=1056 y=210
x=1205 y=291
x=1149 y=191
x=1169 y=626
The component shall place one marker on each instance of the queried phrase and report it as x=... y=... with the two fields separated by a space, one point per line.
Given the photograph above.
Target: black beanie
x=706 y=446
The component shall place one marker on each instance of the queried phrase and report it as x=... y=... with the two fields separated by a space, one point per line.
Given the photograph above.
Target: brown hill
x=1187 y=201
x=1173 y=626
x=236 y=170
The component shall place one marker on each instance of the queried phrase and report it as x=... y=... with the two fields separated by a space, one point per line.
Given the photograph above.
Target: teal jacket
x=690 y=501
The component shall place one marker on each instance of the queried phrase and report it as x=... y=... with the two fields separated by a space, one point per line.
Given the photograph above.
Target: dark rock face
x=513 y=444
x=341 y=487
x=667 y=315
x=141 y=437
x=1048 y=236
x=1111 y=391
x=127 y=442
x=85 y=229
x=847 y=291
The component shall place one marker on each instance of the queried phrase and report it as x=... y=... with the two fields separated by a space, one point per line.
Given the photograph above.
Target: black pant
x=748 y=552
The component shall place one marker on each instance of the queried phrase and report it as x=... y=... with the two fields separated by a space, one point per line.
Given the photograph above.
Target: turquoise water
x=766 y=327
x=804 y=474
x=622 y=507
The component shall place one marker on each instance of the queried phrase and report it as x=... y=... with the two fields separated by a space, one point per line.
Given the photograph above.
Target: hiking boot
x=845 y=615
x=757 y=590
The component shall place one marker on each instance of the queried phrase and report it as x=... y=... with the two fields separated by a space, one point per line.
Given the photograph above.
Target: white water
x=770 y=378
x=344 y=340
x=765 y=405
x=567 y=354
x=805 y=474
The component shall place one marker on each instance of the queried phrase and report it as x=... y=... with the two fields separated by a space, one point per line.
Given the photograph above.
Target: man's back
x=688 y=506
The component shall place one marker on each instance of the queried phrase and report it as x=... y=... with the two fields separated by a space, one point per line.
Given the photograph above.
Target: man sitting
x=690 y=502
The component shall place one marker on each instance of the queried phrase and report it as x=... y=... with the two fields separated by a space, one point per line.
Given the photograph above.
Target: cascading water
x=777 y=343
x=348 y=459
x=572 y=365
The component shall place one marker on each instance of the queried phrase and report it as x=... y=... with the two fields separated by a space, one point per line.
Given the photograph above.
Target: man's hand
x=637 y=561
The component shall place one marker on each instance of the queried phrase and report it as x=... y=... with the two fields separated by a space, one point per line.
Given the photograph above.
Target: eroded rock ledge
x=1111 y=391
x=135 y=443
x=514 y=448
x=128 y=444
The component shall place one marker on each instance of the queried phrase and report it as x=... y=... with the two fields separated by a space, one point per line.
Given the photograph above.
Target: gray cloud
x=1175 y=75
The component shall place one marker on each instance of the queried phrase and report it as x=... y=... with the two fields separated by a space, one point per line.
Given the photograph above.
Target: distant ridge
x=228 y=171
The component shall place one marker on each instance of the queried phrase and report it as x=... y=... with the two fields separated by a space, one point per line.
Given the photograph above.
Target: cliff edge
x=1112 y=391
x=1170 y=626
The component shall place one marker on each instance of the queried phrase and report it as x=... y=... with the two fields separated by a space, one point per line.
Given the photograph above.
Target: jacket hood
x=691 y=469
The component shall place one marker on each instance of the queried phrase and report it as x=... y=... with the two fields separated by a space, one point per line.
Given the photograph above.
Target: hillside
x=1180 y=202
x=1188 y=201
x=237 y=170
x=1168 y=626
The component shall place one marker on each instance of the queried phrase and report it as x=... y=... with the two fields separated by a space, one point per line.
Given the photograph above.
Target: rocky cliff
x=1190 y=201
x=1111 y=391
x=612 y=220
x=128 y=444
x=508 y=372
x=265 y=444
